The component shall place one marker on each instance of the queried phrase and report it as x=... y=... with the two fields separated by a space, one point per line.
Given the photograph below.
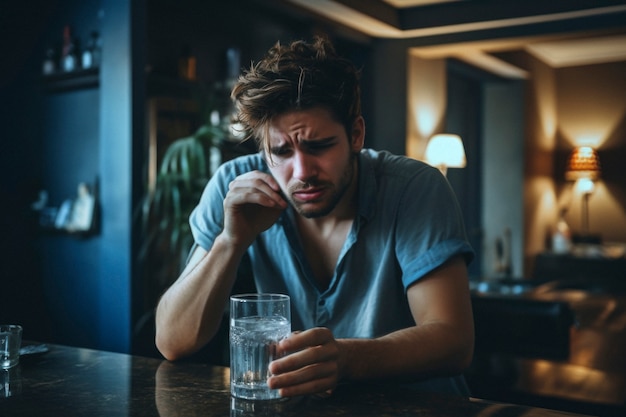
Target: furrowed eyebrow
x=318 y=142
x=307 y=143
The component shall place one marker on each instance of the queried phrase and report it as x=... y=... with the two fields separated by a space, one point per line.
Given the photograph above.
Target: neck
x=330 y=222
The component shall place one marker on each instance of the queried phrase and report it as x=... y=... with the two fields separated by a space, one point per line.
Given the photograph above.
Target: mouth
x=308 y=195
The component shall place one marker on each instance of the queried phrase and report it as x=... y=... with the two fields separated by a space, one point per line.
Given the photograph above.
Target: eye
x=321 y=145
x=317 y=147
x=280 y=151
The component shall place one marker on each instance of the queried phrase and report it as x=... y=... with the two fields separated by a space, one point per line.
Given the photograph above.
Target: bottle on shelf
x=562 y=236
x=69 y=57
x=92 y=53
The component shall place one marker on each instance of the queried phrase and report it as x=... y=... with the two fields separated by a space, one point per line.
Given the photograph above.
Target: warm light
x=584 y=185
x=584 y=167
x=426 y=102
x=583 y=163
x=445 y=151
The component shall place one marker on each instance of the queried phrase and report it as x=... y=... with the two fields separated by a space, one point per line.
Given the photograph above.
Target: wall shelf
x=75 y=80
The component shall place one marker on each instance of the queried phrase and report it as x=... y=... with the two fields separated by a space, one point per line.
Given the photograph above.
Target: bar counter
x=71 y=381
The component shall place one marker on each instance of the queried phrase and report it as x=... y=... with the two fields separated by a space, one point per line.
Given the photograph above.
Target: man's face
x=312 y=159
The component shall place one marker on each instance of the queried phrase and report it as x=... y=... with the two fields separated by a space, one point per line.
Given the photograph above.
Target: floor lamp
x=584 y=167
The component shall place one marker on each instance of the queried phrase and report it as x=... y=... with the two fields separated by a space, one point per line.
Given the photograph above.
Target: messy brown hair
x=298 y=76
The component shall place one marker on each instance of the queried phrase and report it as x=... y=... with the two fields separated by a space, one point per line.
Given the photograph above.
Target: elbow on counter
x=165 y=347
x=170 y=340
x=174 y=346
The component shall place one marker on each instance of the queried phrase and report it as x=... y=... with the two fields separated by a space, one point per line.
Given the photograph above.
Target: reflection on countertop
x=81 y=382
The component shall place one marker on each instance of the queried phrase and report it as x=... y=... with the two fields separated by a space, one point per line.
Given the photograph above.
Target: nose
x=304 y=167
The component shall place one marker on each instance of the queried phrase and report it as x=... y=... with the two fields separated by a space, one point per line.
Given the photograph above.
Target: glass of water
x=257 y=323
x=10 y=342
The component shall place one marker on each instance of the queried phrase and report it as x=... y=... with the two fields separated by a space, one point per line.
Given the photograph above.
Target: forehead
x=307 y=124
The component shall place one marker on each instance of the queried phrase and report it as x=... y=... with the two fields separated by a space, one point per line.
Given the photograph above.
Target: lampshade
x=445 y=151
x=583 y=163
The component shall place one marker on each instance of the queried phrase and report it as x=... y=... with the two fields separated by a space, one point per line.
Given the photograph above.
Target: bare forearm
x=442 y=343
x=190 y=311
x=410 y=354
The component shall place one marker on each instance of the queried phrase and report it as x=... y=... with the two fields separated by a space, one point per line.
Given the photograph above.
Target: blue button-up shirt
x=408 y=223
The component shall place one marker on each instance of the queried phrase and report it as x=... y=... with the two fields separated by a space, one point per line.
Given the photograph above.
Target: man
x=370 y=246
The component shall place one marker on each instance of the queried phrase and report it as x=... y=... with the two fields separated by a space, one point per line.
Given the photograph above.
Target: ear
x=358 y=134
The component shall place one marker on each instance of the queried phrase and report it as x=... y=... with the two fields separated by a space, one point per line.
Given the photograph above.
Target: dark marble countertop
x=68 y=381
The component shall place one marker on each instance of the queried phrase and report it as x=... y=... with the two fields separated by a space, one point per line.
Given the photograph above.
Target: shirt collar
x=367 y=186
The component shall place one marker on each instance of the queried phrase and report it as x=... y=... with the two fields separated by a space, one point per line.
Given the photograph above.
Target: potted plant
x=163 y=214
x=164 y=211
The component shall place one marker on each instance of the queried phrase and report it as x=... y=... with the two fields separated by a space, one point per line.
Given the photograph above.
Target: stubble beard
x=339 y=192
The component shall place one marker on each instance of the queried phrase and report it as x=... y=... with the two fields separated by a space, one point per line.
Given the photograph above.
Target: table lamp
x=584 y=167
x=445 y=151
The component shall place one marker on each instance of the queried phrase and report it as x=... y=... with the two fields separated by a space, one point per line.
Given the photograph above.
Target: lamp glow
x=445 y=151
x=584 y=185
x=583 y=163
x=584 y=167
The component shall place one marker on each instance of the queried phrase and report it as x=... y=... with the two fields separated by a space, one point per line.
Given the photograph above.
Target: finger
x=313 y=379
x=261 y=177
x=301 y=340
x=303 y=358
x=241 y=196
x=321 y=370
x=312 y=387
x=254 y=190
x=259 y=174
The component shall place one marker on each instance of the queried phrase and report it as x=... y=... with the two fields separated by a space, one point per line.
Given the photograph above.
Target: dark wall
x=69 y=155
x=21 y=112
x=63 y=287
x=70 y=264
x=385 y=95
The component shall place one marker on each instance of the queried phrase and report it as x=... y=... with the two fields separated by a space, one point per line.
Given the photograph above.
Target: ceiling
x=428 y=19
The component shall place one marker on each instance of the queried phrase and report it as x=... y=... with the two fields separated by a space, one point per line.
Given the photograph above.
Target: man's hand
x=252 y=205
x=312 y=363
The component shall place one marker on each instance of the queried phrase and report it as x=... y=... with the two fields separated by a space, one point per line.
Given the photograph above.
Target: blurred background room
x=114 y=114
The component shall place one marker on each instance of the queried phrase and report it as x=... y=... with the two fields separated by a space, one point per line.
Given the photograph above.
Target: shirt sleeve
x=207 y=219
x=429 y=227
